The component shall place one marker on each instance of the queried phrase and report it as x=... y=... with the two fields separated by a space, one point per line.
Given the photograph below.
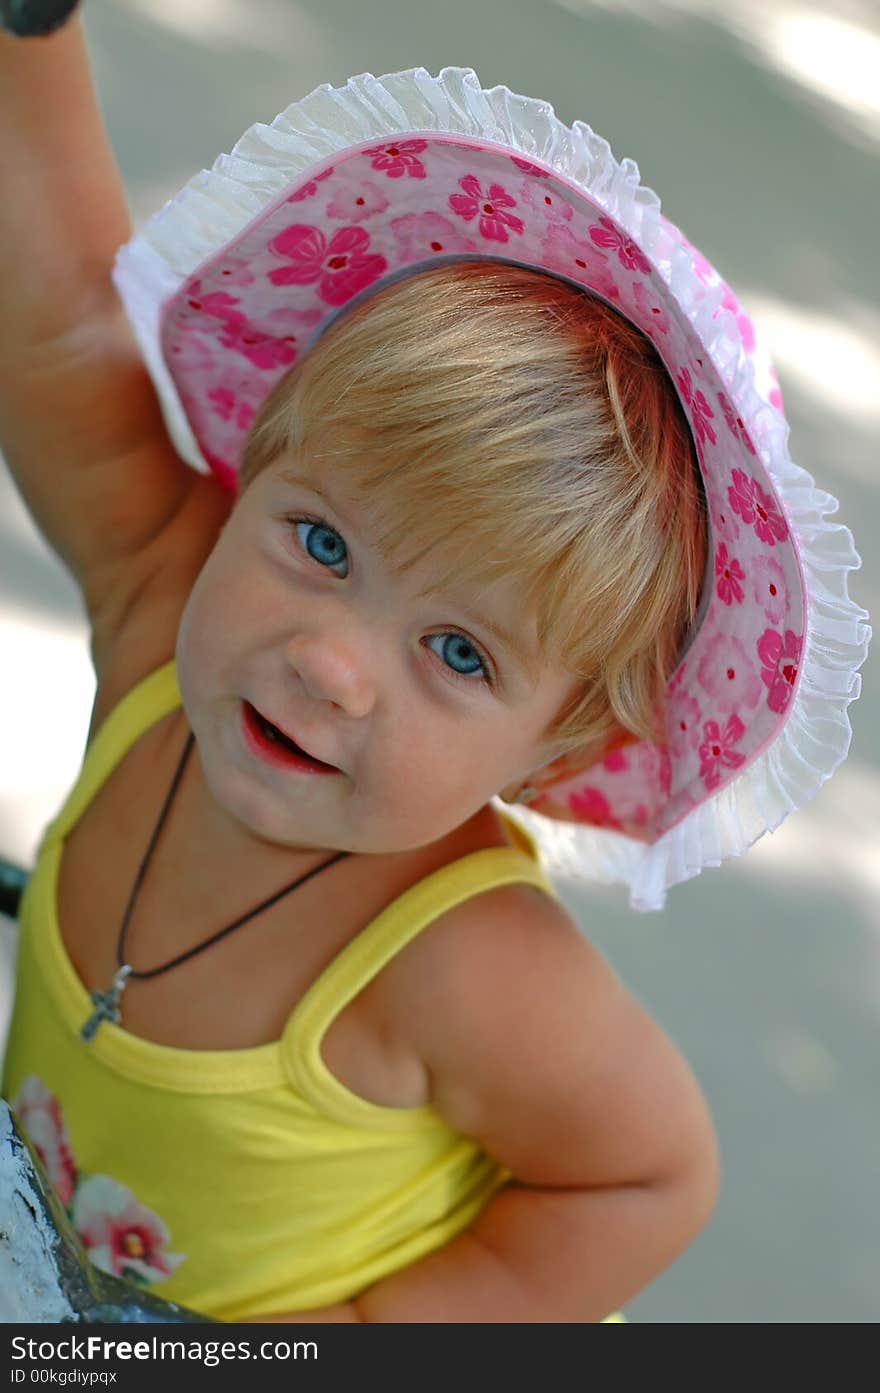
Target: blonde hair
x=531 y=429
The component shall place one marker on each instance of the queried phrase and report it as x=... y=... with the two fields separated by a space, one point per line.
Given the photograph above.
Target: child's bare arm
x=561 y=1075
x=63 y=211
x=80 y=426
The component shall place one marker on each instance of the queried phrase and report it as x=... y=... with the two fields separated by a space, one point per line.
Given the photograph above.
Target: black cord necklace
x=106 y=1003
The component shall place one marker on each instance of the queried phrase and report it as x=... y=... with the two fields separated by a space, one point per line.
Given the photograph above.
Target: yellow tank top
x=237 y=1182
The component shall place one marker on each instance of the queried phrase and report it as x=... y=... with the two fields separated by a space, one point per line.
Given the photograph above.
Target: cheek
x=437 y=765
x=218 y=593
x=201 y=632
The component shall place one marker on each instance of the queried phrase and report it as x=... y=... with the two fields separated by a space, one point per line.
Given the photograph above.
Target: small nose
x=332 y=669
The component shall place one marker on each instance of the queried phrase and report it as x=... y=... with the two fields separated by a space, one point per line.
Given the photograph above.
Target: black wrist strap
x=34 y=18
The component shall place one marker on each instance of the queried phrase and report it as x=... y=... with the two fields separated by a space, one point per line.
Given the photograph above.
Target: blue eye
x=460 y=655
x=323 y=543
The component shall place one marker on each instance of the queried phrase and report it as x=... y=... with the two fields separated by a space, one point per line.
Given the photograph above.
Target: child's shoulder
x=459 y=957
x=535 y=1047
x=475 y=970
x=485 y=959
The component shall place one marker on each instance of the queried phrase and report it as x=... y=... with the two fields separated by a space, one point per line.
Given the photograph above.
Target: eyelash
x=486 y=676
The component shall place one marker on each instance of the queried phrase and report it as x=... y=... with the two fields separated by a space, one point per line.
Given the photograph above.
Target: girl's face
x=423 y=707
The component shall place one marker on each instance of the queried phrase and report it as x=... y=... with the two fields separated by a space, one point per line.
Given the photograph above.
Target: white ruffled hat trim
x=217 y=204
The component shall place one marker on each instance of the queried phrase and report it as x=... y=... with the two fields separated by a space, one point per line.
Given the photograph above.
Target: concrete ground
x=758 y=124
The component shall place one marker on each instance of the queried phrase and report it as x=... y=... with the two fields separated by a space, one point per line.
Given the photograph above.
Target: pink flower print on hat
x=234 y=271
x=701 y=411
x=728 y=674
x=196 y=308
x=310 y=189
x=225 y=406
x=356 y=202
x=654 y=764
x=263 y=350
x=193 y=355
x=735 y=423
x=683 y=723
x=287 y=320
x=399 y=158
x=342 y=268
x=528 y=168
x=769 y=587
x=780 y=659
x=648 y=304
x=696 y=362
x=615 y=762
x=606 y=234
x=724 y=524
x=729 y=573
x=591 y=805
x=122 y=1237
x=717 y=752
x=563 y=252
x=756 y=508
x=223 y=402
x=422 y=235
x=39 y=1113
x=554 y=210
x=234 y=398
x=492 y=207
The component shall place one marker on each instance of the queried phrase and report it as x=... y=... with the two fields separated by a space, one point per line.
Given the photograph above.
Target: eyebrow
x=290 y=476
x=509 y=640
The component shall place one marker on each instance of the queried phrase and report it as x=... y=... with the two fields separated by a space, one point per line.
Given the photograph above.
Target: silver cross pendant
x=106 y=1004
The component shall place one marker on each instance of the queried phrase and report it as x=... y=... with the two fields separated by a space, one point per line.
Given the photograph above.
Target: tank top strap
x=143 y=706
x=381 y=940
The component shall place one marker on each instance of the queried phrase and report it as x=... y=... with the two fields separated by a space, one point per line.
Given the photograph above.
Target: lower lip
x=273 y=754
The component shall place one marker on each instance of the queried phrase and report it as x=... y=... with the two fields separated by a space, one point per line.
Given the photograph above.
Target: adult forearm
x=63 y=211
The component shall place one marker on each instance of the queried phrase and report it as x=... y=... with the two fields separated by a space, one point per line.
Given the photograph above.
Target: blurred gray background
x=758 y=124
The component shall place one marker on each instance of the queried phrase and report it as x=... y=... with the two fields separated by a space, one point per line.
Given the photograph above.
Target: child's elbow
x=705 y=1191
x=693 y=1191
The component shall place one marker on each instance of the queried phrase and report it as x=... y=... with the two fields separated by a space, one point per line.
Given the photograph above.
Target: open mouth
x=274 y=741
x=278 y=737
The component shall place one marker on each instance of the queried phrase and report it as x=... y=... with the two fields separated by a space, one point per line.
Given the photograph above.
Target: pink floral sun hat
x=231 y=283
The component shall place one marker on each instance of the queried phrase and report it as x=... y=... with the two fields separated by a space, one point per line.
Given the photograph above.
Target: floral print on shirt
x=120 y=1235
